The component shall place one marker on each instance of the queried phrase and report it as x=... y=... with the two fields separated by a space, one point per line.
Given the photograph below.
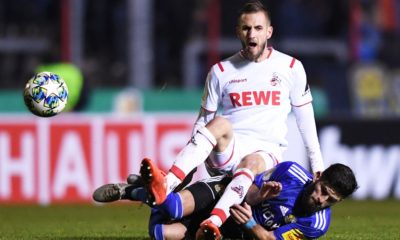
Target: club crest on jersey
x=238 y=190
x=219 y=188
x=275 y=80
x=290 y=219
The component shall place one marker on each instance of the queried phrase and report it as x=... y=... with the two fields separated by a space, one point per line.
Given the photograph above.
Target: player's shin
x=192 y=155
x=173 y=205
x=234 y=194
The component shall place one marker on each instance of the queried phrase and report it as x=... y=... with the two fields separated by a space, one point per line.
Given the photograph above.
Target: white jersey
x=256 y=97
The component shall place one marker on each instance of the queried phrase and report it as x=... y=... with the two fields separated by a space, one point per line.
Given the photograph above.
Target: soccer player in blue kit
x=282 y=203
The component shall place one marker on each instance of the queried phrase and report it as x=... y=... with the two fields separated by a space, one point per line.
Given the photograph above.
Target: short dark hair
x=340 y=178
x=253 y=7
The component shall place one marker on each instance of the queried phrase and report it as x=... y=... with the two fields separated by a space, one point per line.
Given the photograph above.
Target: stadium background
x=143 y=64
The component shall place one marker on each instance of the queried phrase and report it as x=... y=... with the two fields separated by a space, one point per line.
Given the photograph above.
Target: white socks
x=191 y=156
x=172 y=182
x=233 y=194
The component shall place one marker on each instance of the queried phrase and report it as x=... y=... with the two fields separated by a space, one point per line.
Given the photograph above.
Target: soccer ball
x=46 y=94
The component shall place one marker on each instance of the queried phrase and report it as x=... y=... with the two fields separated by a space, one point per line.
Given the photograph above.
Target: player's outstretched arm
x=269 y=190
x=307 y=128
x=242 y=215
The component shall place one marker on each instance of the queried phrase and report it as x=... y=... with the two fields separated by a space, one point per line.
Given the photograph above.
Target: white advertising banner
x=63 y=159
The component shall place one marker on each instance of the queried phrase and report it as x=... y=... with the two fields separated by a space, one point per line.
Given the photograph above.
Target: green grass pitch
x=351 y=220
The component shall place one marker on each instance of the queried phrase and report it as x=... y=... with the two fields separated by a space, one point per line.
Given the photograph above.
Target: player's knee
x=253 y=162
x=220 y=127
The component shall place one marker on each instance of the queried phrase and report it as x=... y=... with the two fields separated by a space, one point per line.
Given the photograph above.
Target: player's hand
x=270 y=190
x=317 y=175
x=241 y=213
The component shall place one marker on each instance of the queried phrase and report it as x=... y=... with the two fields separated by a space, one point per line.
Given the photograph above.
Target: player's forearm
x=252 y=196
x=202 y=119
x=307 y=127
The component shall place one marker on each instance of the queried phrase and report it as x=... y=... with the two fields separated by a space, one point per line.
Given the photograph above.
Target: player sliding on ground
x=282 y=203
x=256 y=89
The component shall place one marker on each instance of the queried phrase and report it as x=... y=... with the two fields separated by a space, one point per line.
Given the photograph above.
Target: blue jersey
x=277 y=214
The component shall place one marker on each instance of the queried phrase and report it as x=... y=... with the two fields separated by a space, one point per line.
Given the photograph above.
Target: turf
x=351 y=220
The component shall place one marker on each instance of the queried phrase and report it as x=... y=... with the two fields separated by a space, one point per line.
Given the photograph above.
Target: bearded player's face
x=254 y=30
x=318 y=196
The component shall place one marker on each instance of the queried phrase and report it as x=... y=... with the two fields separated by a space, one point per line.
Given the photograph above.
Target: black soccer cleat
x=110 y=192
x=135 y=180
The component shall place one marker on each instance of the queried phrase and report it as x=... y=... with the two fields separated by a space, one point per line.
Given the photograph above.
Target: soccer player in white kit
x=253 y=91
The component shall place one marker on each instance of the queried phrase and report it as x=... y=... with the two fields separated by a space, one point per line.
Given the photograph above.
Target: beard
x=306 y=203
x=249 y=54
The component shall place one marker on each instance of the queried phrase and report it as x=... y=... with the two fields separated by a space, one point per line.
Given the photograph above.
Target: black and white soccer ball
x=46 y=94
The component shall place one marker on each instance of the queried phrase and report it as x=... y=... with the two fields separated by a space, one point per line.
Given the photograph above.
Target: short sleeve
x=296 y=231
x=300 y=93
x=310 y=227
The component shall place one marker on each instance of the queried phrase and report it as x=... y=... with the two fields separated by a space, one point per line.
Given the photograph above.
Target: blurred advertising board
x=63 y=159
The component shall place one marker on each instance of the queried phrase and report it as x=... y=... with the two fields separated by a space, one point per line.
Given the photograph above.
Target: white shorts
x=227 y=161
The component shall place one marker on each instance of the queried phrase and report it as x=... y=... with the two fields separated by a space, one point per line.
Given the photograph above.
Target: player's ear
x=270 y=30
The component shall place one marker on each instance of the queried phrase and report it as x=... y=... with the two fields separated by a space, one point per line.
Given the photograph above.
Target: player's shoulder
x=311 y=227
x=285 y=59
x=316 y=224
x=227 y=65
x=292 y=170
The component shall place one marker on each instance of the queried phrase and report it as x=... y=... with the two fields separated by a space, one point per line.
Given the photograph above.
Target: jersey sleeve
x=211 y=94
x=300 y=93
x=307 y=128
x=278 y=173
x=310 y=227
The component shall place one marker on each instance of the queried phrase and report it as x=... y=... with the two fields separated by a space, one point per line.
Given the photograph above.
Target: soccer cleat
x=110 y=192
x=135 y=180
x=154 y=180
x=208 y=230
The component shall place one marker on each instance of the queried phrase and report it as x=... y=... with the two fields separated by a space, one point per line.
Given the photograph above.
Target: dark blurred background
x=147 y=48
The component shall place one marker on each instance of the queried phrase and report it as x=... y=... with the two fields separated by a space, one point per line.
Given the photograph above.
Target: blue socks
x=173 y=206
x=157 y=218
x=158 y=232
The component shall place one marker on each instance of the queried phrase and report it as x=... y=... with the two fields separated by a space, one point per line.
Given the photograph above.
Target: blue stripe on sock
x=173 y=205
x=158 y=232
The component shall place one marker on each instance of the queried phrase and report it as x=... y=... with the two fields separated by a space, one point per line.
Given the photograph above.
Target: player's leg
x=174 y=231
x=194 y=204
x=134 y=190
x=195 y=198
x=243 y=177
x=216 y=135
x=120 y=191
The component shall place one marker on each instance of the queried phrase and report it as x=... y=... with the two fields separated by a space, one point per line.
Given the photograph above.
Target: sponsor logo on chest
x=254 y=98
x=258 y=97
